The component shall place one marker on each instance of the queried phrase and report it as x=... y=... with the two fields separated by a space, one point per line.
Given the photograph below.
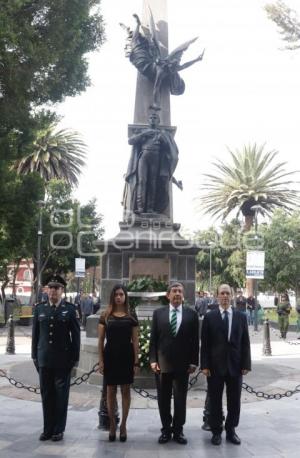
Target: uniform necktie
x=226 y=323
x=174 y=322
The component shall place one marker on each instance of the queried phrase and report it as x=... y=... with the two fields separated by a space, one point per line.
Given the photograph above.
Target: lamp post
x=41 y=204
x=211 y=246
x=256 y=209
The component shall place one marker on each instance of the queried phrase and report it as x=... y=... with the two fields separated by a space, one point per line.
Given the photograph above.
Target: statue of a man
x=152 y=164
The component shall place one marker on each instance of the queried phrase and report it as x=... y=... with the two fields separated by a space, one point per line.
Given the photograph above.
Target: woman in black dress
x=118 y=358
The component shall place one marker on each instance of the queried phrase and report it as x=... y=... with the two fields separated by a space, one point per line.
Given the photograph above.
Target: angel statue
x=144 y=52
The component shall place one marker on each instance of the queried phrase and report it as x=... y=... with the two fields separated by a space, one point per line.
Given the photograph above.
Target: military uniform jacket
x=55 y=335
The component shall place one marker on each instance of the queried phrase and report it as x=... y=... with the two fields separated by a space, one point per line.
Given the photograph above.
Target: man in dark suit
x=174 y=354
x=225 y=358
x=55 y=350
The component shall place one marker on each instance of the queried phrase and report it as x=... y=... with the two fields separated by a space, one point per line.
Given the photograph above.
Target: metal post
x=103 y=413
x=210 y=267
x=38 y=255
x=256 y=308
x=267 y=342
x=10 y=346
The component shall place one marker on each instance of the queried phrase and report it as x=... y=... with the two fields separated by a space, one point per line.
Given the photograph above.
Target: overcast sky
x=245 y=90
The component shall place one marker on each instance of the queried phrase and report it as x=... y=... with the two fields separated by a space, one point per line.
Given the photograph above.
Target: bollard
x=10 y=346
x=267 y=342
x=103 y=413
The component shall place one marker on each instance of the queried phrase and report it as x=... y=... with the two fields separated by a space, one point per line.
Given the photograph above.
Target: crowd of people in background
x=205 y=302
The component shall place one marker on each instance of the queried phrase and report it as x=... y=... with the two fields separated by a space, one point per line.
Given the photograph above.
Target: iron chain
x=36 y=389
x=144 y=393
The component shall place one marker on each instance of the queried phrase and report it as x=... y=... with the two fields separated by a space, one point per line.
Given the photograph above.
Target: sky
x=246 y=90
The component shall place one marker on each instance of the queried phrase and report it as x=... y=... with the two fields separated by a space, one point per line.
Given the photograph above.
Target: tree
x=287 y=21
x=282 y=248
x=228 y=255
x=55 y=154
x=253 y=180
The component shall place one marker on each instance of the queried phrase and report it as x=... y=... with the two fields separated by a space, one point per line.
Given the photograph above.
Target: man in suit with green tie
x=174 y=354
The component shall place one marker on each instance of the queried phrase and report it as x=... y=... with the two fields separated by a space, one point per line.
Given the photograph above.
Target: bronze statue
x=144 y=52
x=152 y=163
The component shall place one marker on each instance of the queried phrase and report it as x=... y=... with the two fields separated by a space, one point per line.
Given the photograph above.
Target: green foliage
x=287 y=21
x=54 y=154
x=282 y=246
x=250 y=178
x=228 y=256
x=144 y=342
x=83 y=226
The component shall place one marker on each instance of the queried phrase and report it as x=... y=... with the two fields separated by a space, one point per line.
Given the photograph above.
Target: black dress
x=118 y=350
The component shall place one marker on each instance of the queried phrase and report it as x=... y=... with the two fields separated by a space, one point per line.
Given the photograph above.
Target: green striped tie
x=174 y=322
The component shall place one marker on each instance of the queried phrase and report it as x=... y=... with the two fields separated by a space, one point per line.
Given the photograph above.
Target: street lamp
x=211 y=246
x=41 y=204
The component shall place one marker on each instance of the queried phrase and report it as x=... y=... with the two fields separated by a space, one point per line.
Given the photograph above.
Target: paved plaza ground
x=268 y=428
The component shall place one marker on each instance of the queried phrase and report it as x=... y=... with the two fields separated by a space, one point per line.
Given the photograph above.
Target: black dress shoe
x=233 y=438
x=205 y=427
x=112 y=437
x=216 y=439
x=45 y=437
x=123 y=437
x=164 y=438
x=180 y=438
x=57 y=437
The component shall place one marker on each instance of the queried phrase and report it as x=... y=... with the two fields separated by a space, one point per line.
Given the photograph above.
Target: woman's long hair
x=111 y=306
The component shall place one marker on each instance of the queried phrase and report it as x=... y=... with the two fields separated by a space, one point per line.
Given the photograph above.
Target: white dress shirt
x=230 y=313
x=178 y=315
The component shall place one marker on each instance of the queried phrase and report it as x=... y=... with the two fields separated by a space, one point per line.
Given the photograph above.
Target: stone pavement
x=268 y=429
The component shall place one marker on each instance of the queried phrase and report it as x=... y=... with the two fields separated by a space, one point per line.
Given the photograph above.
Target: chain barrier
x=36 y=389
x=144 y=393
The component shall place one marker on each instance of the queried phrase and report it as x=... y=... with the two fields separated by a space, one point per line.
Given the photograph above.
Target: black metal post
x=10 y=346
x=38 y=254
x=103 y=412
x=256 y=308
x=267 y=341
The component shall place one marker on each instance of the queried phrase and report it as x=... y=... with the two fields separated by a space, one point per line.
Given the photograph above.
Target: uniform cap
x=55 y=280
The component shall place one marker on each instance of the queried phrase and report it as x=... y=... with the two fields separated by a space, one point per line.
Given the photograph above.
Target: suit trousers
x=215 y=385
x=55 y=387
x=168 y=383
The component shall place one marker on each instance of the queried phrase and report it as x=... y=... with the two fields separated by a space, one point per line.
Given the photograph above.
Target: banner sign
x=255 y=265
x=80 y=267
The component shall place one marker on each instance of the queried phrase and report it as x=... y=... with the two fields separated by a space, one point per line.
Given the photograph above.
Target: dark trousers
x=233 y=393
x=55 y=387
x=168 y=383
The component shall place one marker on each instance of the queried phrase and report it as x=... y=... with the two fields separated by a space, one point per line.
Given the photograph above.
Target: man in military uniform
x=55 y=351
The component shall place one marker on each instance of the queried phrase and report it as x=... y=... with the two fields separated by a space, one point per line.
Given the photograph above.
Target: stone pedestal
x=148 y=247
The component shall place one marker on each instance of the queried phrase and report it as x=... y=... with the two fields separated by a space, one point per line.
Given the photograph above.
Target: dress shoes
x=233 y=438
x=57 y=437
x=205 y=427
x=45 y=437
x=216 y=439
x=112 y=437
x=164 y=438
x=180 y=438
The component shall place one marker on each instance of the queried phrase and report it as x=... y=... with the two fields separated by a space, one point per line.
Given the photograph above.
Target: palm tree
x=253 y=181
x=56 y=154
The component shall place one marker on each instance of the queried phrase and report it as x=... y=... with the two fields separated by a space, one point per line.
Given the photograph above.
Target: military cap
x=55 y=280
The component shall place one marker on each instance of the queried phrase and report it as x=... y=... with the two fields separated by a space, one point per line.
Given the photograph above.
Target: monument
x=149 y=242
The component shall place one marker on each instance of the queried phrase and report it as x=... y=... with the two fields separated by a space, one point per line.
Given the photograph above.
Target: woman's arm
x=101 y=334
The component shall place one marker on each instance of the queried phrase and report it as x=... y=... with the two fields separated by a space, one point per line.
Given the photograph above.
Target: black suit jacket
x=174 y=354
x=220 y=356
x=55 y=336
